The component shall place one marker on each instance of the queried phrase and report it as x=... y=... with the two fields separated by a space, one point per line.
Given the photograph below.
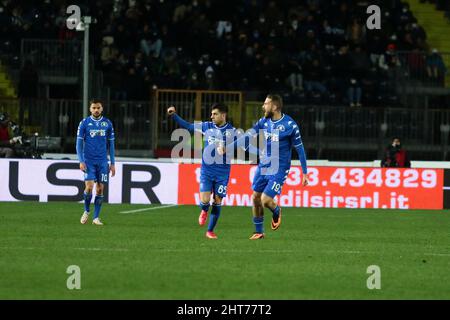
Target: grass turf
x=163 y=254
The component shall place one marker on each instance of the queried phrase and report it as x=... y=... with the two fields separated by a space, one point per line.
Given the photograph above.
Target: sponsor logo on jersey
x=212 y=140
x=99 y=132
x=271 y=136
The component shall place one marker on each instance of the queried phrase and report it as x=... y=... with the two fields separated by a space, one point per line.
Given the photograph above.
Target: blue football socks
x=97 y=205
x=275 y=213
x=259 y=224
x=215 y=214
x=204 y=206
x=87 y=201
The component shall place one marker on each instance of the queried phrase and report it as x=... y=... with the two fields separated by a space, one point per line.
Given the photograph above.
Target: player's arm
x=80 y=145
x=244 y=141
x=112 y=151
x=229 y=141
x=297 y=142
x=171 y=111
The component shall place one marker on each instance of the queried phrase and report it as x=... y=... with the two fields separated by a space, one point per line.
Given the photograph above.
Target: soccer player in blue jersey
x=95 y=134
x=282 y=132
x=214 y=175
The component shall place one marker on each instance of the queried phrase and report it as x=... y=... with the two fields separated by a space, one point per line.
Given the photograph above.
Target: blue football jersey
x=286 y=133
x=213 y=136
x=96 y=135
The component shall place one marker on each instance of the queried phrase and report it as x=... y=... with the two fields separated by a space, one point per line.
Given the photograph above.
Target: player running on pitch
x=214 y=174
x=95 y=134
x=280 y=131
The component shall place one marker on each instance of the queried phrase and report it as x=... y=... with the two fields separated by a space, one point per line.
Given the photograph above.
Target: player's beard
x=268 y=114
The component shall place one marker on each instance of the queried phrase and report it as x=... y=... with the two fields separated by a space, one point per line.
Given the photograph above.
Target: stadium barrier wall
x=332 y=187
x=178 y=183
x=50 y=180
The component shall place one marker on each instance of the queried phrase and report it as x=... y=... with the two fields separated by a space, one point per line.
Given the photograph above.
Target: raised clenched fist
x=171 y=110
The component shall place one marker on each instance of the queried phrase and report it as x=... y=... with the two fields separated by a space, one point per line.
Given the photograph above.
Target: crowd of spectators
x=312 y=50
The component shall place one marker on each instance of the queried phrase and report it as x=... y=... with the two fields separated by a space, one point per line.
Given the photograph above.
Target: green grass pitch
x=163 y=254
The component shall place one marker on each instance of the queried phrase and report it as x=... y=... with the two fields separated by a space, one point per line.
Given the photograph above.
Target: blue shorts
x=269 y=184
x=97 y=171
x=217 y=185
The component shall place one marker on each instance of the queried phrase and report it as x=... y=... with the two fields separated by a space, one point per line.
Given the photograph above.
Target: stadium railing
x=142 y=126
x=192 y=105
x=341 y=130
x=60 y=117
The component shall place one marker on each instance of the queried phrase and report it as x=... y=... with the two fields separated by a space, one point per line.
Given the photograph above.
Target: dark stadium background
x=309 y=51
x=350 y=88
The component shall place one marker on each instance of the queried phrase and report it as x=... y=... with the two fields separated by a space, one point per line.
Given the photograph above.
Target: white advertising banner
x=60 y=180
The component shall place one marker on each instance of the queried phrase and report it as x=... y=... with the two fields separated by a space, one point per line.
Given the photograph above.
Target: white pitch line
x=221 y=250
x=147 y=209
x=101 y=249
x=47 y=248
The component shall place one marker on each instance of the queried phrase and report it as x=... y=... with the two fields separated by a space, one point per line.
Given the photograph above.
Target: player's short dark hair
x=276 y=100
x=220 y=106
x=95 y=101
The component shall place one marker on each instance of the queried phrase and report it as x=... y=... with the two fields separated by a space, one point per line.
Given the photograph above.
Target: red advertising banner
x=331 y=187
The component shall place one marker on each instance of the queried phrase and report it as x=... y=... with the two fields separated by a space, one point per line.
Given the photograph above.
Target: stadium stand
x=313 y=52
